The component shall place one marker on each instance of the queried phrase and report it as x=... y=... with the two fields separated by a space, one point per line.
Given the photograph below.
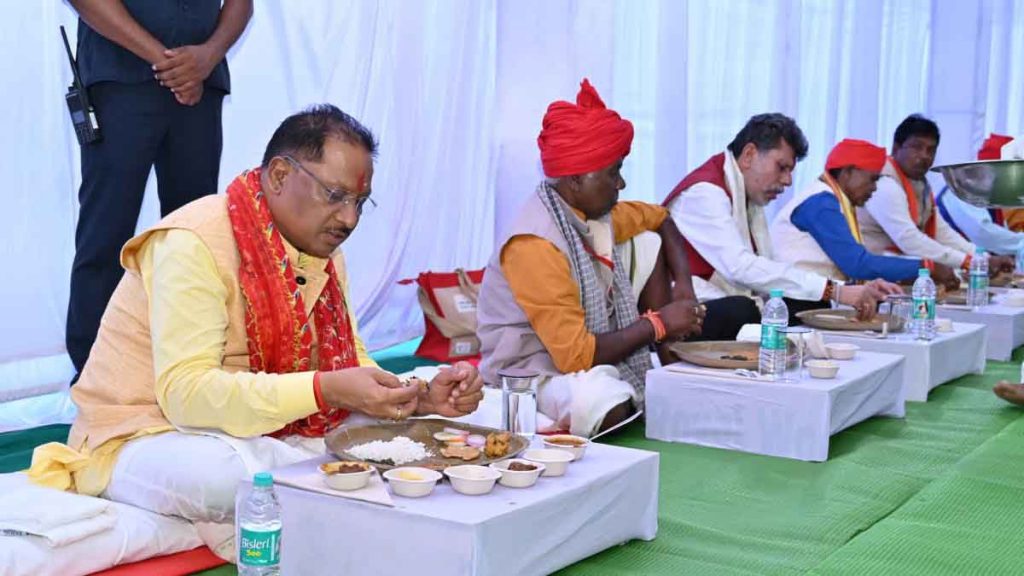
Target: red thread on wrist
x=928 y=264
x=318 y=393
x=966 y=264
x=654 y=318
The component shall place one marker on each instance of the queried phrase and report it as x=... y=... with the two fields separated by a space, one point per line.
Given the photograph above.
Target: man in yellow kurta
x=229 y=346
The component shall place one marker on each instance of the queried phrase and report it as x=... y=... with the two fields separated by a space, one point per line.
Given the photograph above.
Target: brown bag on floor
x=448 y=300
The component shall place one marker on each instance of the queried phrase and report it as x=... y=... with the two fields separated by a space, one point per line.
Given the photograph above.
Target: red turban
x=992 y=148
x=582 y=137
x=856 y=153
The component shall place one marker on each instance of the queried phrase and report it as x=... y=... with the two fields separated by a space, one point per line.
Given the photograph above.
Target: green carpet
x=966 y=522
x=723 y=512
x=399 y=358
x=936 y=493
x=16 y=447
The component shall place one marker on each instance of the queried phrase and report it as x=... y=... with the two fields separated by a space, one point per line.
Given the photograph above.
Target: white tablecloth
x=1005 y=326
x=607 y=498
x=929 y=363
x=787 y=419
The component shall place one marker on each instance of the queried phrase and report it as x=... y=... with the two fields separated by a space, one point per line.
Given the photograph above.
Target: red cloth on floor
x=179 y=564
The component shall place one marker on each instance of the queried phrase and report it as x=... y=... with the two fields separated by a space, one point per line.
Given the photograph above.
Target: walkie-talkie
x=83 y=116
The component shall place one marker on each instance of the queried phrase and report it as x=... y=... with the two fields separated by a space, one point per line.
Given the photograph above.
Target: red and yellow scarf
x=276 y=324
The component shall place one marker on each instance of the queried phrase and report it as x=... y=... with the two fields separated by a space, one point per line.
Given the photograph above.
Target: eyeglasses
x=362 y=204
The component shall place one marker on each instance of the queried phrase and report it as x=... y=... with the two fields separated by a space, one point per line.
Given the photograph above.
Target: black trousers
x=143 y=127
x=725 y=317
x=797 y=306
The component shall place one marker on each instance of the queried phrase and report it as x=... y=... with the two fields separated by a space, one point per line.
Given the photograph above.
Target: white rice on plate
x=399 y=450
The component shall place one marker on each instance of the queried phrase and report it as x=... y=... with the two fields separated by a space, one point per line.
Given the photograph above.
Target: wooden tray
x=1005 y=280
x=959 y=297
x=828 y=319
x=713 y=354
x=422 y=430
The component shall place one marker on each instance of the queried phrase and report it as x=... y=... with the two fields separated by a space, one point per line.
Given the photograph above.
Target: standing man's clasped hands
x=184 y=70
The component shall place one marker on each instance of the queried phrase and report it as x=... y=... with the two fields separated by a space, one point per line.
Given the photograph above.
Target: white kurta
x=801 y=249
x=885 y=223
x=721 y=232
x=977 y=224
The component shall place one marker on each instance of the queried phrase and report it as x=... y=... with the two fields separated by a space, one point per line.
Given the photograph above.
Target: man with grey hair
x=230 y=345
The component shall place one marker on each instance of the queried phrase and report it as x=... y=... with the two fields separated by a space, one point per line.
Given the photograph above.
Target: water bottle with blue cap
x=259 y=530
x=772 y=358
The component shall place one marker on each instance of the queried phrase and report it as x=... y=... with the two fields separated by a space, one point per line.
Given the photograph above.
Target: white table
x=607 y=498
x=787 y=419
x=1005 y=326
x=929 y=363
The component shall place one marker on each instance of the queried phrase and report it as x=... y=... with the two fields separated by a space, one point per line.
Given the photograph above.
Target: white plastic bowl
x=822 y=368
x=841 y=350
x=555 y=461
x=346 y=480
x=576 y=451
x=411 y=487
x=943 y=325
x=518 y=478
x=472 y=479
x=1014 y=298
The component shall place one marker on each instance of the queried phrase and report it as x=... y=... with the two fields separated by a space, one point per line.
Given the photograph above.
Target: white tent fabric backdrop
x=455 y=91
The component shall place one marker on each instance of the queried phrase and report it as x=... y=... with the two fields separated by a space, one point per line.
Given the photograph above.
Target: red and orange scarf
x=276 y=323
x=915 y=208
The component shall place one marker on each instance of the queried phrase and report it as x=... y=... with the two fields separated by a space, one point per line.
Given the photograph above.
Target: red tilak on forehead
x=362 y=181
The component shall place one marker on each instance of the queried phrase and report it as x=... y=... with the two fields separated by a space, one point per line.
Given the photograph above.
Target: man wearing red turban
x=984 y=228
x=819 y=225
x=582 y=137
x=582 y=284
x=1008 y=149
x=992 y=147
x=995 y=148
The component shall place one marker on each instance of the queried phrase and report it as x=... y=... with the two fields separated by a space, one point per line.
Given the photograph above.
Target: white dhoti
x=195 y=475
x=578 y=402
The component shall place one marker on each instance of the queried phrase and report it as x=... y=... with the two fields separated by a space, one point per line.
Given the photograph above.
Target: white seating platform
x=607 y=498
x=929 y=363
x=777 y=418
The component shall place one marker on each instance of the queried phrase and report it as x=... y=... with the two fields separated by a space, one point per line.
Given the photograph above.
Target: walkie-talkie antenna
x=71 y=57
x=83 y=115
